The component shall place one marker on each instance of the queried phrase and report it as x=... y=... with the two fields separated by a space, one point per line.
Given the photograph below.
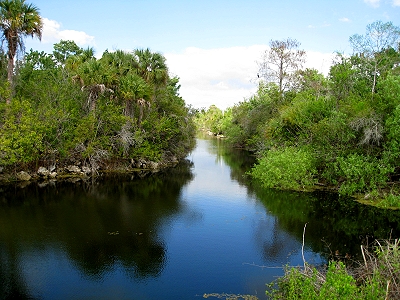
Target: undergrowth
x=376 y=277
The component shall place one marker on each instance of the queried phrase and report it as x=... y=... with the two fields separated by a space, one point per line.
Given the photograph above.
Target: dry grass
x=380 y=269
x=383 y=264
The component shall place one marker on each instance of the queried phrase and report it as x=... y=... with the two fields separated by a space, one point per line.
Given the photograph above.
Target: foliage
x=379 y=38
x=289 y=168
x=18 y=20
x=361 y=173
x=392 y=145
x=281 y=62
x=349 y=118
x=77 y=107
x=21 y=135
x=377 y=278
x=337 y=284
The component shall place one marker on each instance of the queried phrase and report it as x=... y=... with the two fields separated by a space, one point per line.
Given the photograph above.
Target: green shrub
x=392 y=144
x=288 y=168
x=361 y=174
x=376 y=277
x=21 y=135
x=334 y=284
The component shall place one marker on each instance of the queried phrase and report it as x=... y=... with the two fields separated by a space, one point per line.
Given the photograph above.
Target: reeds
x=376 y=276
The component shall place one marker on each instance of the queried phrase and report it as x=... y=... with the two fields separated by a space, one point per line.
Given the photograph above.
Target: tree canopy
x=70 y=106
x=311 y=130
x=17 y=21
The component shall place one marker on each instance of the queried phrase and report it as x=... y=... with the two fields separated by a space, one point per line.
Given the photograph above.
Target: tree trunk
x=374 y=81
x=141 y=103
x=10 y=73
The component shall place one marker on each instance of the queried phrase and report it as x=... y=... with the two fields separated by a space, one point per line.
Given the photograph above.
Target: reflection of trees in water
x=334 y=223
x=275 y=243
x=239 y=161
x=112 y=221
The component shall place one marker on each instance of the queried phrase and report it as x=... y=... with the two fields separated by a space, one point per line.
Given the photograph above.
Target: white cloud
x=225 y=76
x=52 y=33
x=344 y=20
x=373 y=3
x=396 y=2
x=216 y=76
x=319 y=61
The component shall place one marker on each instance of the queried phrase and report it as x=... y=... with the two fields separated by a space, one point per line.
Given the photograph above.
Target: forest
x=120 y=111
x=308 y=130
x=70 y=106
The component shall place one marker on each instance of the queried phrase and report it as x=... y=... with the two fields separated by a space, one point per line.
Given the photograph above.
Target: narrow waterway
x=200 y=228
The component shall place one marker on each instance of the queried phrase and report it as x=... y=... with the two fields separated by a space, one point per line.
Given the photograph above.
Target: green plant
x=21 y=135
x=309 y=283
x=361 y=173
x=377 y=277
x=288 y=168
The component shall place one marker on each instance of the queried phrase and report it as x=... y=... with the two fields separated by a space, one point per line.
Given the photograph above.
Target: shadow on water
x=182 y=232
x=98 y=225
x=336 y=226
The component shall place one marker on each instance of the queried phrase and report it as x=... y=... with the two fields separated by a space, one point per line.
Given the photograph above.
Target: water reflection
x=202 y=228
x=336 y=226
x=95 y=225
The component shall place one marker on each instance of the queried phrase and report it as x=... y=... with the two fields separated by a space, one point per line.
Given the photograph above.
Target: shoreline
x=47 y=171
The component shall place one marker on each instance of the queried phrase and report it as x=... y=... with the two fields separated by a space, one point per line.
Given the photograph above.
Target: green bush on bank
x=287 y=168
x=377 y=277
x=361 y=174
x=21 y=134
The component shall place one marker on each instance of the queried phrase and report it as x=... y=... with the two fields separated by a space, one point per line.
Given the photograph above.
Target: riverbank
x=377 y=276
x=76 y=170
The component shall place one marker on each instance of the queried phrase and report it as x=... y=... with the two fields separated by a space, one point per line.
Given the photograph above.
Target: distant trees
x=376 y=46
x=281 y=62
x=18 y=20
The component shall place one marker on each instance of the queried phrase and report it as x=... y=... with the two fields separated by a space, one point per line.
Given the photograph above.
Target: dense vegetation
x=68 y=105
x=340 y=130
x=376 y=278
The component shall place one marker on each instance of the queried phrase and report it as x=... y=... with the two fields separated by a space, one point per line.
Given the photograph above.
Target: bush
x=377 y=277
x=361 y=173
x=310 y=284
x=288 y=168
x=21 y=135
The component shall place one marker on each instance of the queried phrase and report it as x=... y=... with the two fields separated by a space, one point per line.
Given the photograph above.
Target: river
x=200 y=228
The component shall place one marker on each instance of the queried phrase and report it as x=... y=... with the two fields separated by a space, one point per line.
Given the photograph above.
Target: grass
x=376 y=277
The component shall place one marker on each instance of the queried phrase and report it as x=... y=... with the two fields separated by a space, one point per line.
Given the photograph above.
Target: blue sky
x=212 y=45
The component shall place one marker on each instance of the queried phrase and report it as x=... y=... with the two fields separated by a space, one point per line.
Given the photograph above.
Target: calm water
x=199 y=228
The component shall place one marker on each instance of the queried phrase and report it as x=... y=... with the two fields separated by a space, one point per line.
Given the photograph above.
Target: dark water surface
x=199 y=228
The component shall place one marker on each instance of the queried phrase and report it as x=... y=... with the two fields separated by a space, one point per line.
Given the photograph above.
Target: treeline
x=340 y=130
x=68 y=105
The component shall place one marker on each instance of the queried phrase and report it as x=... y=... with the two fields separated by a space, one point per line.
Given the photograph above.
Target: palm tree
x=18 y=20
x=152 y=68
x=93 y=78
x=133 y=88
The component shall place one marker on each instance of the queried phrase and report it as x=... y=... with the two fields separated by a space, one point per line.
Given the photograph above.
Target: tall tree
x=281 y=62
x=18 y=20
x=65 y=49
x=134 y=88
x=373 y=46
x=152 y=68
x=93 y=78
